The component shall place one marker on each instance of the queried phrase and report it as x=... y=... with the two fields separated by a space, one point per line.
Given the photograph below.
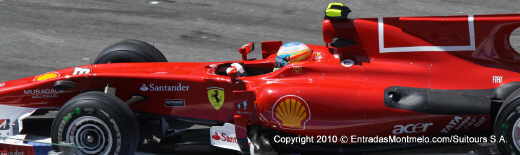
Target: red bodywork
x=319 y=96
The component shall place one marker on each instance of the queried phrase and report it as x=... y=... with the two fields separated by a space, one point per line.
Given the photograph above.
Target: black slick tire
x=508 y=115
x=95 y=123
x=130 y=51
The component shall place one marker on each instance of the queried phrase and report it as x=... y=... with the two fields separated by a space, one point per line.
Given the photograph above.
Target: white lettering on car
x=42 y=93
x=452 y=124
x=463 y=123
x=79 y=71
x=164 y=88
x=411 y=128
x=496 y=79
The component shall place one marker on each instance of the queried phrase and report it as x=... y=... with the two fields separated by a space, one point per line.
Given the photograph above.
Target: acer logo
x=411 y=128
x=224 y=137
x=4 y=124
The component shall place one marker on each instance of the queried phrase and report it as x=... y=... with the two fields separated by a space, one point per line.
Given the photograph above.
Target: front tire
x=95 y=123
x=130 y=51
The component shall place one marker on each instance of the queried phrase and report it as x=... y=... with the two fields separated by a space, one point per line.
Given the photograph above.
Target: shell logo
x=47 y=76
x=291 y=112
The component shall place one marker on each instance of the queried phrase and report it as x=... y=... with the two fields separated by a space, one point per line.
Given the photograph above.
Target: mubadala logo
x=41 y=91
x=159 y=88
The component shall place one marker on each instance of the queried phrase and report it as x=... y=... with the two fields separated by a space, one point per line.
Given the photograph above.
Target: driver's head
x=290 y=53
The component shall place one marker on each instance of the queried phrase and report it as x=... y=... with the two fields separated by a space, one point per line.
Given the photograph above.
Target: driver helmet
x=290 y=53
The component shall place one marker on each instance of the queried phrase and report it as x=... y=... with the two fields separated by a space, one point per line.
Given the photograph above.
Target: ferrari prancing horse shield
x=216 y=97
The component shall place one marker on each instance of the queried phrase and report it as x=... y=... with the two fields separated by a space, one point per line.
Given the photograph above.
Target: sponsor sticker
x=47 y=76
x=458 y=123
x=216 y=97
x=151 y=87
x=420 y=127
x=480 y=122
x=175 y=102
x=452 y=124
x=465 y=122
x=291 y=112
x=317 y=56
x=42 y=93
x=497 y=79
x=225 y=137
x=80 y=71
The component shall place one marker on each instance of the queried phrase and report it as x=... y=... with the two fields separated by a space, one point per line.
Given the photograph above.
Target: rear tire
x=507 y=125
x=130 y=51
x=95 y=123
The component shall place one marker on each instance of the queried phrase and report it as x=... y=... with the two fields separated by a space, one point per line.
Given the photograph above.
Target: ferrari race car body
x=403 y=76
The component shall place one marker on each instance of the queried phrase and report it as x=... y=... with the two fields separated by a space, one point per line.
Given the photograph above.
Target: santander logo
x=179 y=87
x=223 y=137
x=216 y=137
x=144 y=88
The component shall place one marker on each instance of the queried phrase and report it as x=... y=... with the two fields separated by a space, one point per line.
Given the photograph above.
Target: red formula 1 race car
x=394 y=76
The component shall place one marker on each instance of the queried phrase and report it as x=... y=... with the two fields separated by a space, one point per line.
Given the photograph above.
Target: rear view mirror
x=246 y=49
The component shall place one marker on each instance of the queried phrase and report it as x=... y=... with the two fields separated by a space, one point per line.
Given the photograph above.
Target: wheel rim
x=516 y=134
x=90 y=135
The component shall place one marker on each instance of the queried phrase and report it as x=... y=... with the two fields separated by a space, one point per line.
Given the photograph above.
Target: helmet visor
x=282 y=60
